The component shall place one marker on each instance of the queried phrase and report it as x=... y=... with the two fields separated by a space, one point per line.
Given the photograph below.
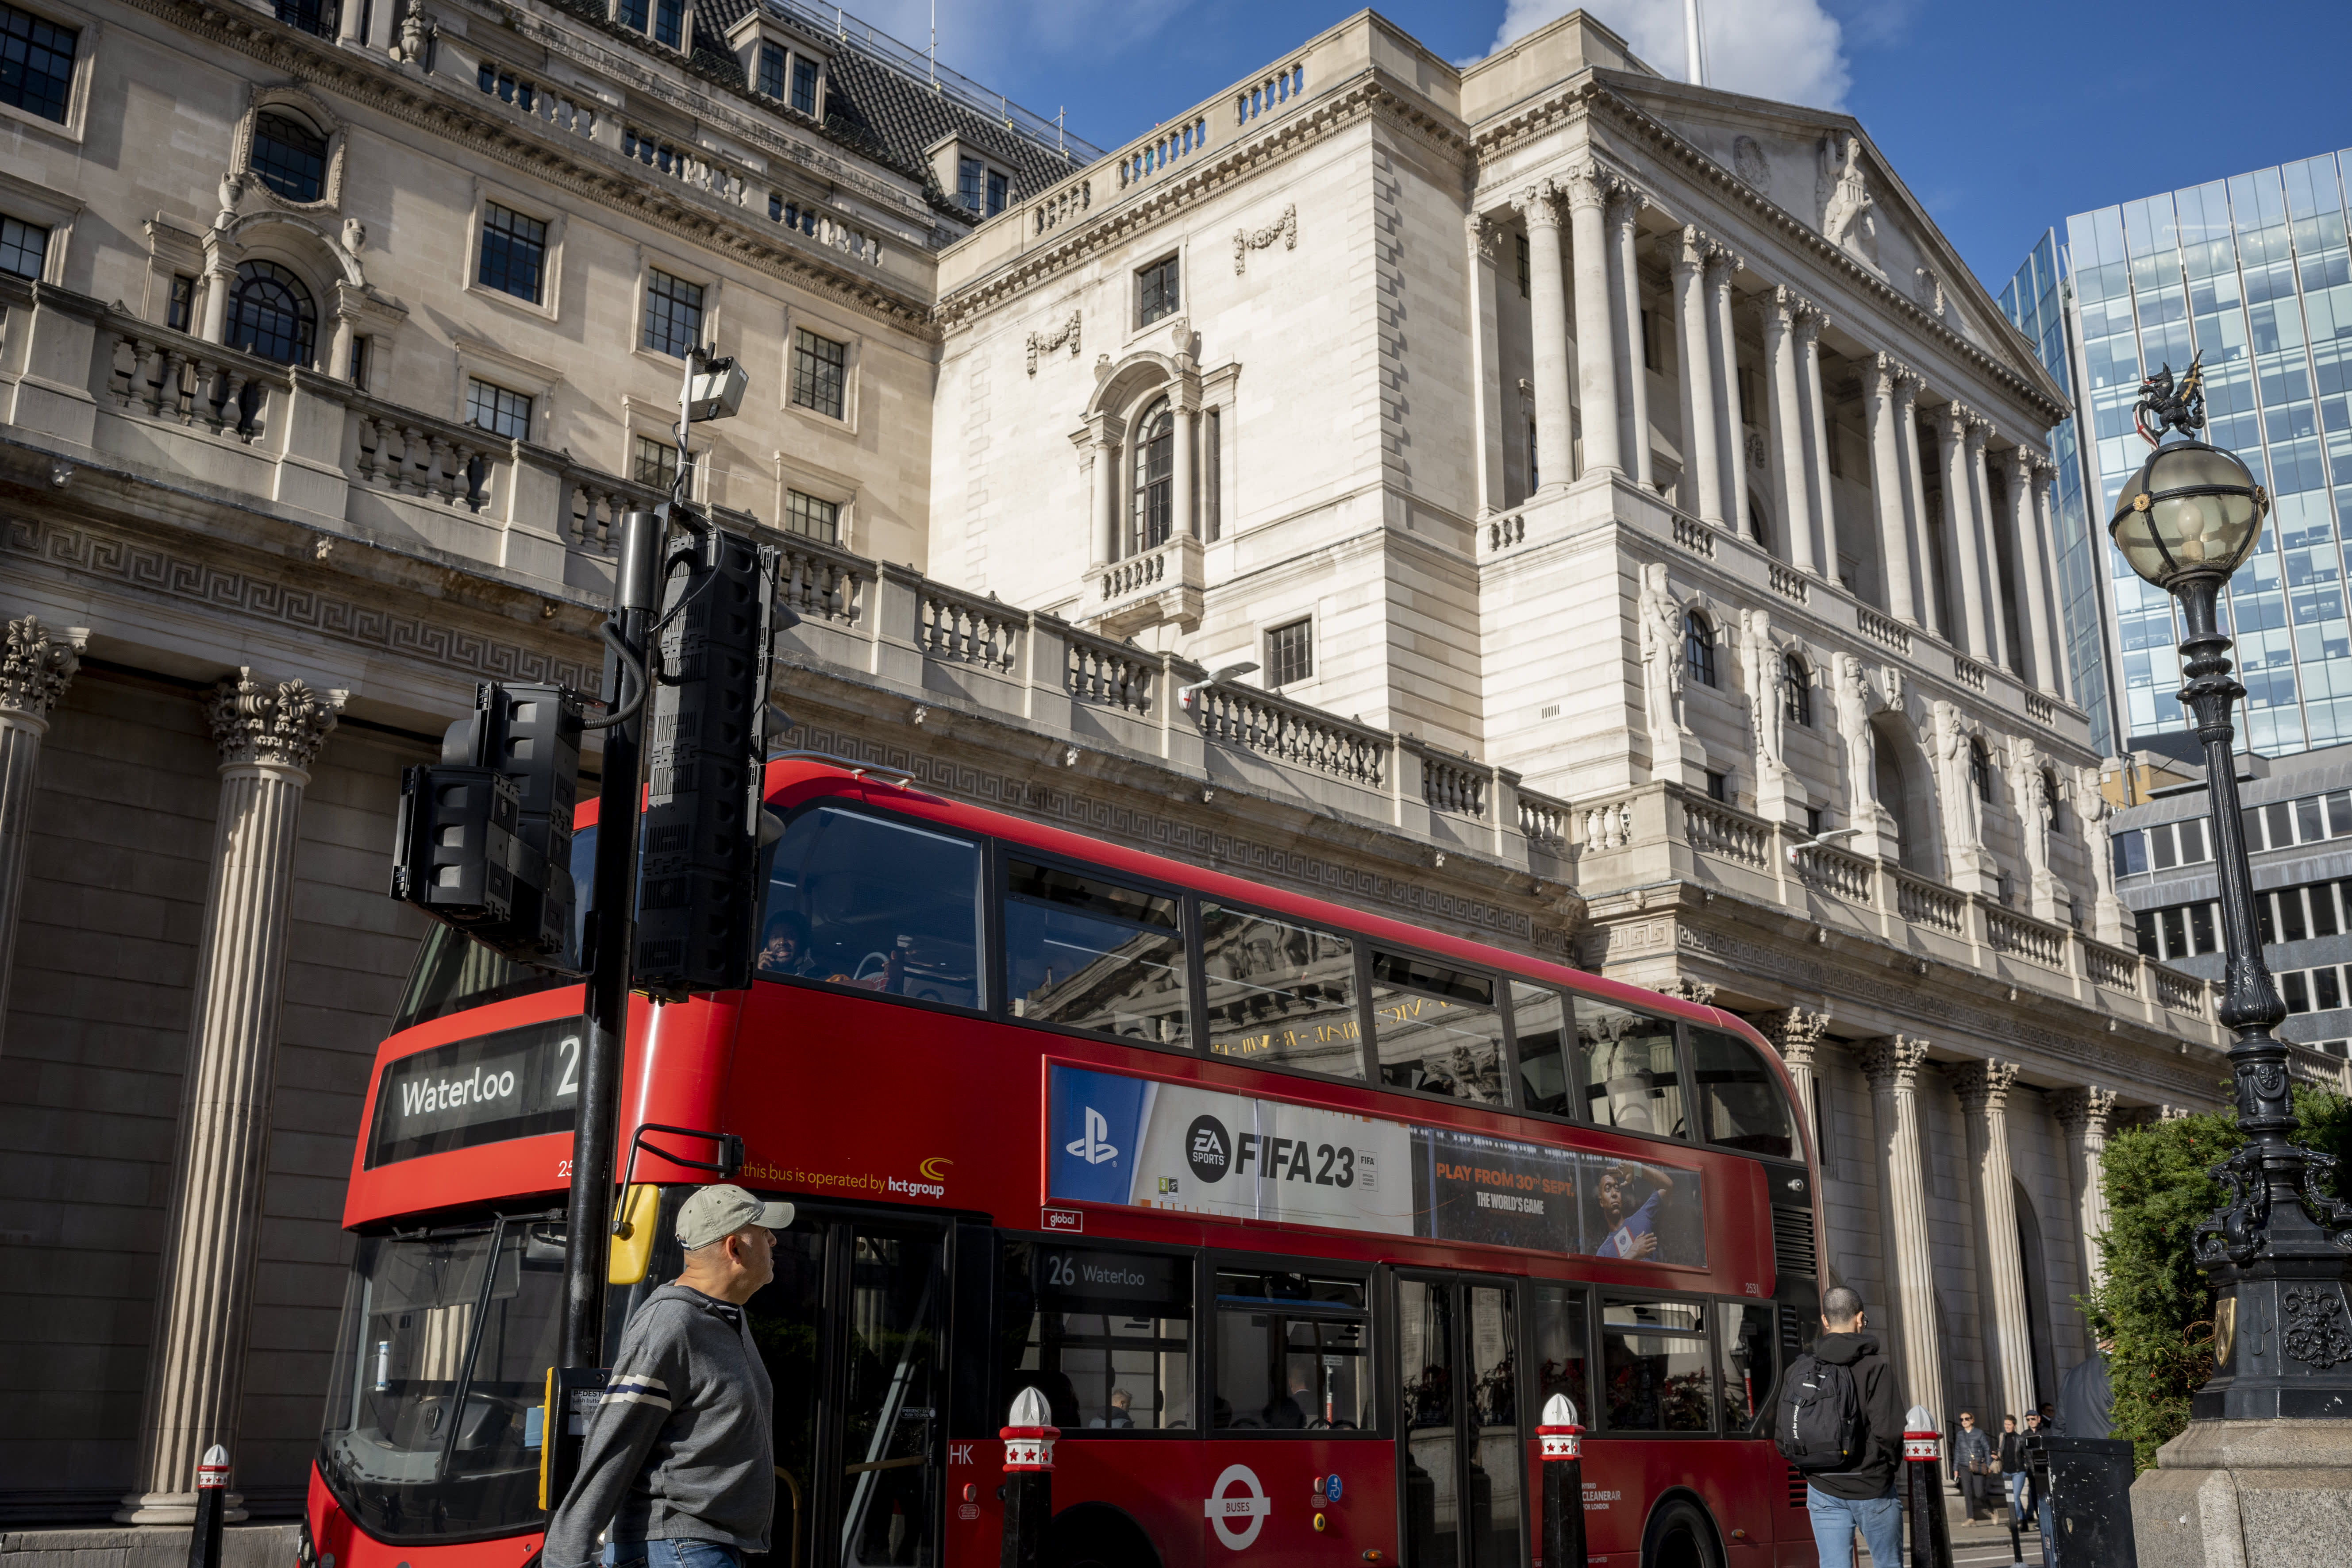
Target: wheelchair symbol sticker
x=1250 y=1503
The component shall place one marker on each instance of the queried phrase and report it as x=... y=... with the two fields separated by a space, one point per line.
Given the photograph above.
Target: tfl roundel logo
x=1208 y=1148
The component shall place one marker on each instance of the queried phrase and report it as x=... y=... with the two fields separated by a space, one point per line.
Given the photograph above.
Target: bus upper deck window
x=1539 y=1021
x=1740 y=1103
x=1280 y=994
x=875 y=903
x=1091 y=954
x=1626 y=1061
x=1436 y=1028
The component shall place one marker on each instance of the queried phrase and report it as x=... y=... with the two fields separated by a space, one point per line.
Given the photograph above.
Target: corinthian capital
x=1538 y=205
x=1588 y=184
x=262 y=722
x=37 y=665
x=1691 y=254
x=1795 y=1032
x=1891 y=1062
x=1983 y=1086
x=2085 y=1110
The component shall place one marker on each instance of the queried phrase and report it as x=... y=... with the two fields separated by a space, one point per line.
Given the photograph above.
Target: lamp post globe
x=2193 y=510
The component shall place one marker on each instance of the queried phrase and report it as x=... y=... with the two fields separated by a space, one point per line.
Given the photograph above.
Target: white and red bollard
x=1923 y=1492
x=1028 y=1479
x=1563 y=1484
x=212 y=1508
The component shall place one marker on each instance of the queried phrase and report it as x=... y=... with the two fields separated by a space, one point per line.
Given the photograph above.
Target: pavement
x=1987 y=1545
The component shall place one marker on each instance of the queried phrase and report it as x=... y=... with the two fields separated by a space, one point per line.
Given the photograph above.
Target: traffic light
x=698 y=892
x=484 y=837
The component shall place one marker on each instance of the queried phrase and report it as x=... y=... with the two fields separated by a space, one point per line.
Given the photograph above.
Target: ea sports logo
x=1207 y=1149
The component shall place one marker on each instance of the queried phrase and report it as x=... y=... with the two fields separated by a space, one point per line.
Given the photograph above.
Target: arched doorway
x=271 y=313
x=2037 y=1295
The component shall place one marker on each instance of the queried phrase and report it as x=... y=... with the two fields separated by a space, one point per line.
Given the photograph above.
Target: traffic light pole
x=609 y=938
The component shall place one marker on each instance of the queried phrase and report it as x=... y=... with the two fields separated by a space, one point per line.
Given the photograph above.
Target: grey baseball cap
x=722 y=1210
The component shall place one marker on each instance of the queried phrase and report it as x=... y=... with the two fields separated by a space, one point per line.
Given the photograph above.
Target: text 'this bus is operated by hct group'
x=1294 y=1217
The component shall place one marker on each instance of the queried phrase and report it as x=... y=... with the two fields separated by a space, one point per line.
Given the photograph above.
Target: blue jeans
x=1836 y=1519
x=2016 y=1480
x=671 y=1554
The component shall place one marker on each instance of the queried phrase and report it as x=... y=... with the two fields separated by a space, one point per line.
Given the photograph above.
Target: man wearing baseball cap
x=679 y=1459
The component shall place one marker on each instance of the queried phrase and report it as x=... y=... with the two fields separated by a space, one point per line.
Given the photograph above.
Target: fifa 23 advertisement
x=1146 y=1144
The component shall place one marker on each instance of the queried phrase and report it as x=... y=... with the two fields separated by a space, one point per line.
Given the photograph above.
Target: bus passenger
x=1294 y=1410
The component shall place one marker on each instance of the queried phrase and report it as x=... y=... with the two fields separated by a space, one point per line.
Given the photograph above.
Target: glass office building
x=2035 y=301
x=2252 y=271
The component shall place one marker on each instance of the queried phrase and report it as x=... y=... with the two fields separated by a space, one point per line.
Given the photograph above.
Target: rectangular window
x=814 y=519
x=2323 y=908
x=1436 y=1029
x=2201 y=927
x=1525 y=262
x=1290 y=653
x=1107 y=1337
x=1654 y=1366
x=772 y=70
x=633 y=15
x=1155 y=292
x=1213 y=508
x=803 y=85
x=2146 y=923
x=673 y=322
x=972 y=174
x=1747 y=384
x=1625 y=1060
x=1718 y=786
x=2278 y=821
x=181 y=309
x=1534 y=470
x=357 y=372
x=879 y=905
x=1294 y=1351
x=2265 y=920
x=2161 y=854
x=2326 y=990
x=669 y=22
x=820 y=373
x=2173 y=923
x=514 y=253
x=498 y=411
x=2192 y=841
x=1813 y=822
x=2298 y=991
x=23 y=248
x=1749 y=1357
x=2339 y=814
x=37 y=63
x=2290 y=905
x=656 y=463
x=1279 y=994
x=1090 y=954
x=2308 y=827
x=999 y=190
x=1540 y=1024
x=2249 y=823
x=2131 y=854
x=1563 y=1341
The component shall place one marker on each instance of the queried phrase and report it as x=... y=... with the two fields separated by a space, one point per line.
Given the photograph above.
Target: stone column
x=1625 y=280
x=1960 y=572
x=1731 y=450
x=1879 y=381
x=1781 y=309
x=1796 y=1033
x=267 y=733
x=1485 y=364
x=1987 y=548
x=1810 y=325
x=1181 y=489
x=2034 y=566
x=2045 y=526
x=1892 y=1065
x=1907 y=387
x=1547 y=321
x=348 y=30
x=1983 y=1090
x=1105 y=499
x=36 y=667
x=1596 y=355
x=2084 y=1115
x=1701 y=472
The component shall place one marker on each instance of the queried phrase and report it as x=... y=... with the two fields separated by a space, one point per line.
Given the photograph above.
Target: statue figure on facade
x=1954 y=786
x=1846 y=220
x=1662 y=663
x=1760 y=660
x=1851 y=692
x=2096 y=813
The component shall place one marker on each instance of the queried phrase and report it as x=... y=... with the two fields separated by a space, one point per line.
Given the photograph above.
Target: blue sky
x=2002 y=116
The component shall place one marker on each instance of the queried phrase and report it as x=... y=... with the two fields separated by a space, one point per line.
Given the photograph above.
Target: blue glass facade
x=2035 y=301
x=2253 y=271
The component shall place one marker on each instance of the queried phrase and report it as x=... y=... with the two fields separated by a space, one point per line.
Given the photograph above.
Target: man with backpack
x=1839 y=1422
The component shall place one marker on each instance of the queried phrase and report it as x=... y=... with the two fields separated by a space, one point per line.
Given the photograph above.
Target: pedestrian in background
x=2086 y=1400
x=2011 y=1456
x=1972 y=1457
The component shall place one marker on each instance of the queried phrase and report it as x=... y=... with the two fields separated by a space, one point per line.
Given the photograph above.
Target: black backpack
x=1819 y=1425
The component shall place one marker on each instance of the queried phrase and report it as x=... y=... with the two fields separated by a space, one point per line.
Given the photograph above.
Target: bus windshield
x=453 y=971
x=432 y=1421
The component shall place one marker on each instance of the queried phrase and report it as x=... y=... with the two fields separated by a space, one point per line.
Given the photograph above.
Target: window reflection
x=1741 y=1105
x=1628 y=1067
x=1280 y=994
x=1539 y=1021
x=1654 y=1366
x=877 y=904
x=1436 y=1029
x=1292 y=1353
x=1091 y=954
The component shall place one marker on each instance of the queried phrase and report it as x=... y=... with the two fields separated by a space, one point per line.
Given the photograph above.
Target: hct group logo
x=1094 y=1144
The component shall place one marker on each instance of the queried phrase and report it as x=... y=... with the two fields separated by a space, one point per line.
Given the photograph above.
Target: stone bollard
x=1563 y=1484
x=1028 y=1480
x=1923 y=1492
x=212 y=1504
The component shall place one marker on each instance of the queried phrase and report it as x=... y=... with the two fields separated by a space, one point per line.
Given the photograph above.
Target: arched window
x=1980 y=770
x=1155 y=465
x=1760 y=522
x=1699 y=648
x=289 y=157
x=2050 y=797
x=1796 y=692
x=270 y=314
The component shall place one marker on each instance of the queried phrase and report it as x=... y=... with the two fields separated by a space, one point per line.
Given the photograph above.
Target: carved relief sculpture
x=1846 y=206
x=1956 y=789
x=1760 y=660
x=1662 y=663
x=1284 y=229
x=2096 y=813
x=1046 y=342
x=1851 y=692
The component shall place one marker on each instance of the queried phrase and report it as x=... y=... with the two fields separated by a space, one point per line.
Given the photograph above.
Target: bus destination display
x=1118 y=1139
x=518 y=1083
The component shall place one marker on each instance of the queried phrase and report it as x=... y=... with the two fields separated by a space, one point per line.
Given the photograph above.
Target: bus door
x=851 y=1333
x=1459 y=1446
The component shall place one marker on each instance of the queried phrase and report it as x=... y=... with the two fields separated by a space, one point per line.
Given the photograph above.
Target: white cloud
x=1792 y=50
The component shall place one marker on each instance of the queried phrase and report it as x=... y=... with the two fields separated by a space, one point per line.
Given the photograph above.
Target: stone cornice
x=1583 y=96
x=1368 y=95
x=604 y=178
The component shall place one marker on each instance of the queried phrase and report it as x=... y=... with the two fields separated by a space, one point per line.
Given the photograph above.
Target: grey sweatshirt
x=682 y=1446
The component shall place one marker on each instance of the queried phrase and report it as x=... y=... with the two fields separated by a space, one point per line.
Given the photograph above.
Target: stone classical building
x=1619 y=484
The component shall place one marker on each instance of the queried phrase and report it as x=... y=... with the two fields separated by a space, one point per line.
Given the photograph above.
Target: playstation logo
x=1094 y=1147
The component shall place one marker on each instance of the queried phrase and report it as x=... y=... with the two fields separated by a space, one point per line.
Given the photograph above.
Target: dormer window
x=804 y=85
x=772 y=70
x=664 y=19
x=777 y=63
x=979 y=188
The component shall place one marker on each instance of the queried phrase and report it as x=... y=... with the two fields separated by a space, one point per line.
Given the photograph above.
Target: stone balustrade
x=1162 y=584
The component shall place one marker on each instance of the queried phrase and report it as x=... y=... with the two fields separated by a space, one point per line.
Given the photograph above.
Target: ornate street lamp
x=2276 y=1254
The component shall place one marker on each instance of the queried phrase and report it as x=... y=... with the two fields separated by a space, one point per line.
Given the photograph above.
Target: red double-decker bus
x=1295 y=1216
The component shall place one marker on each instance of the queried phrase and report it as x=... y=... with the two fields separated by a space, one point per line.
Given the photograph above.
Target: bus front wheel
x=1680 y=1537
x=1097 y=1535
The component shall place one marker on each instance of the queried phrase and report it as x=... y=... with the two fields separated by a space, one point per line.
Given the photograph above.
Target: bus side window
x=1750 y=1366
x=878 y=904
x=1740 y=1103
x=1561 y=1345
x=1435 y=1029
x=1280 y=994
x=1107 y=1337
x=1655 y=1365
x=1539 y=1021
x=1292 y=1354
x=1091 y=954
x=1627 y=1062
